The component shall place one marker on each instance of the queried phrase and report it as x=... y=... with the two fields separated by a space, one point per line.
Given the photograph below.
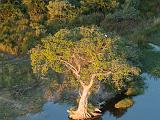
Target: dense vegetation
x=79 y=38
x=25 y=22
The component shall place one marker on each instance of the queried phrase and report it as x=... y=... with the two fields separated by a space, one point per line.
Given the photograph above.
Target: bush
x=133 y=91
x=125 y=103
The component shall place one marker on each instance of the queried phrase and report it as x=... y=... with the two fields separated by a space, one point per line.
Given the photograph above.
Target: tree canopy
x=83 y=51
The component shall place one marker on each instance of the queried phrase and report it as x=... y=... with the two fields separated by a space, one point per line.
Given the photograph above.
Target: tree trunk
x=82 y=107
x=81 y=112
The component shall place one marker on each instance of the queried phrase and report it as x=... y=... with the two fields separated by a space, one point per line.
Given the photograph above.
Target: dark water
x=146 y=107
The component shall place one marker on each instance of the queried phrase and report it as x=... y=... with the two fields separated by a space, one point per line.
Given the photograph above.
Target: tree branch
x=80 y=93
x=72 y=68
x=77 y=63
x=82 y=83
x=103 y=74
x=95 y=75
x=92 y=80
x=69 y=65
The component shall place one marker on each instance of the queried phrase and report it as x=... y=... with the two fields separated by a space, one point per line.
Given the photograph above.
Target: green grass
x=151 y=62
x=149 y=32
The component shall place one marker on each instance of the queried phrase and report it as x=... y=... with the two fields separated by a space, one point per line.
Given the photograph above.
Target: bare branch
x=72 y=68
x=82 y=83
x=81 y=58
x=93 y=76
x=69 y=65
x=80 y=93
x=92 y=80
x=77 y=63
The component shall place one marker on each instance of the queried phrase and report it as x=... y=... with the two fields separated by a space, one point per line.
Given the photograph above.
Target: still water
x=146 y=106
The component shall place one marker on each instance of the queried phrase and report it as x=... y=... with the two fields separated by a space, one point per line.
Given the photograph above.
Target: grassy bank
x=151 y=62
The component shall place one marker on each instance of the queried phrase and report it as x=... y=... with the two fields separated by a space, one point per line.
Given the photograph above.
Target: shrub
x=125 y=103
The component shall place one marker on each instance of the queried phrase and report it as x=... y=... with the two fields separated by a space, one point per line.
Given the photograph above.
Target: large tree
x=88 y=55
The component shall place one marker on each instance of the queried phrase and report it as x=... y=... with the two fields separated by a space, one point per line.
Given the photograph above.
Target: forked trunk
x=82 y=113
x=82 y=106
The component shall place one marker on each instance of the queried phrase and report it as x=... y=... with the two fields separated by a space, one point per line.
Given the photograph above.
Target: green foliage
x=36 y=10
x=128 y=9
x=61 y=10
x=13 y=26
x=24 y=22
x=149 y=8
x=126 y=17
x=151 y=62
x=149 y=32
x=16 y=74
x=90 y=6
x=87 y=50
x=134 y=91
x=56 y=25
x=21 y=24
x=119 y=25
x=91 y=19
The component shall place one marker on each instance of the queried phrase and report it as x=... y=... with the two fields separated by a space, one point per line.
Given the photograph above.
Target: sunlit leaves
x=60 y=9
x=88 y=49
x=95 y=5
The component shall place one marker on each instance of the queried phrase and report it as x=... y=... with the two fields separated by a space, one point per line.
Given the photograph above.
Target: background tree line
x=25 y=22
